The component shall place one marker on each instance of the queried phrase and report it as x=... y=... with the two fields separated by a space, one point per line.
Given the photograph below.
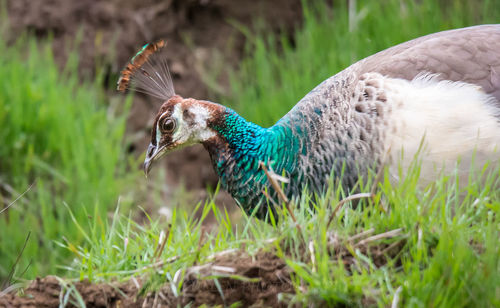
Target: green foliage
x=279 y=71
x=446 y=253
x=59 y=134
x=434 y=246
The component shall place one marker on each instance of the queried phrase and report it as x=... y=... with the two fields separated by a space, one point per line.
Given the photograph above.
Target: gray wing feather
x=470 y=54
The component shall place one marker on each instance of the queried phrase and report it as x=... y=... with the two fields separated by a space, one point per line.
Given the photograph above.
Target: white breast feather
x=457 y=122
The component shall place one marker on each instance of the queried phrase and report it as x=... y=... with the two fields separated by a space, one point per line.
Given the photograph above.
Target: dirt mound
x=269 y=272
x=240 y=278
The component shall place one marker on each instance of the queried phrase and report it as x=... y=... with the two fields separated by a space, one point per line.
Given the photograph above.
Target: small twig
x=225 y=269
x=395 y=300
x=136 y=283
x=155 y=300
x=9 y=189
x=278 y=189
x=19 y=197
x=11 y=288
x=282 y=196
x=163 y=297
x=200 y=241
x=388 y=248
x=270 y=240
x=361 y=234
x=380 y=236
x=156 y=264
x=345 y=200
x=160 y=241
x=221 y=253
x=159 y=249
x=162 y=248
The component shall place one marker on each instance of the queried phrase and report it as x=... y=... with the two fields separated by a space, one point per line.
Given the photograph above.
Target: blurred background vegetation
x=69 y=142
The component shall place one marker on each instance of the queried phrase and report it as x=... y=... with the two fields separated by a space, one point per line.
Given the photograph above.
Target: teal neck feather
x=239 y=148
x=294 y=147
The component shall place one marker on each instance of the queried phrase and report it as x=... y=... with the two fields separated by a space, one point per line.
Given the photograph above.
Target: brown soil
x=250 y=281
x=269 y=277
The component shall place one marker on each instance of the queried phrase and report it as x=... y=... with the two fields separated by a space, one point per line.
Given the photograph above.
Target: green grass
x=60 y=134
x=445 y=245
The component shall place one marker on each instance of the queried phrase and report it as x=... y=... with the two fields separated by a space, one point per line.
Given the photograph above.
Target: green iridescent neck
x=238 y=149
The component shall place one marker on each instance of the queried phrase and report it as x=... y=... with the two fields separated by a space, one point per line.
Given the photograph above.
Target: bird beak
x=147 y=166
x=150 y=157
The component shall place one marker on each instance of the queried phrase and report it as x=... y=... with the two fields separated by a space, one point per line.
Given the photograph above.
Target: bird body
x=438 y=96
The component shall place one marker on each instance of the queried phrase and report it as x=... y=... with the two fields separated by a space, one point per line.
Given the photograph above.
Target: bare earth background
x=198 y=31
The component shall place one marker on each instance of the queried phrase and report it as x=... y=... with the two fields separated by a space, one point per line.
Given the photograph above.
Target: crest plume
x=147 y=72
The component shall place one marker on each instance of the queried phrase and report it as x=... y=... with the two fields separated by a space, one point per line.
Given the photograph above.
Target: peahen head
x=237 y=148
x=180 y=122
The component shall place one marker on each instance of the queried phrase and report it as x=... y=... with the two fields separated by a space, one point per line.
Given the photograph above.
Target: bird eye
x=168 y=126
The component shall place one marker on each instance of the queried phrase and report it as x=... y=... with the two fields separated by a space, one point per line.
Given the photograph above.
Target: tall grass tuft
x=407 y=246
x=59 y=133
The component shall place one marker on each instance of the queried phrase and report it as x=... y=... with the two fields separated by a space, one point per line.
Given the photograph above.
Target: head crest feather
x=148 y=72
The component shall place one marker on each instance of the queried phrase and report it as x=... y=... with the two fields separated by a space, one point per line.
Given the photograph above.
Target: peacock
x=437 y=96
